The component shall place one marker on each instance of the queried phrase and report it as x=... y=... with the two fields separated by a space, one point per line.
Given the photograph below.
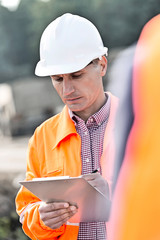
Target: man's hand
x=97 y=181
x=54 y=215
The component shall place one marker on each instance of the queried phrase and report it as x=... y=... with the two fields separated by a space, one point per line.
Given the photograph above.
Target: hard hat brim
x=43 y=70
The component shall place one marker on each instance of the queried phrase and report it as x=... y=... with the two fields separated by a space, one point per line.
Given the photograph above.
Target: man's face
x=82 y=91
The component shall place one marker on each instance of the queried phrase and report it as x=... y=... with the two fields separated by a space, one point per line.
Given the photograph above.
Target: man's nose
x=68 y=87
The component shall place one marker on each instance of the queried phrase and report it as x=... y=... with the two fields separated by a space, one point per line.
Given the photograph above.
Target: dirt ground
x=13 y=159
x=12 y=170
x=13 y=154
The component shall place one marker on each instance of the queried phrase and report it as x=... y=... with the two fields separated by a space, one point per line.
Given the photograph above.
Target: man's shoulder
x=53 y=124
x=49 y=123
x=46 y=129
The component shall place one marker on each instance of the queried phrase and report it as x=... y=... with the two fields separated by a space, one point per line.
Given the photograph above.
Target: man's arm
x=38 y=221
x=97 y=181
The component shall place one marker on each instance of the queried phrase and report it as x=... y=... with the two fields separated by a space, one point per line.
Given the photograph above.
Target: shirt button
x=91 y=119
x=85 y=133
x=87 y=159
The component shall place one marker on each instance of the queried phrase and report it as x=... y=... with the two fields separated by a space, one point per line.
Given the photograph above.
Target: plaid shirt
x=92 y=135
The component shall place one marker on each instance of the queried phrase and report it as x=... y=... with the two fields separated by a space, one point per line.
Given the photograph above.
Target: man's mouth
x=72 y=99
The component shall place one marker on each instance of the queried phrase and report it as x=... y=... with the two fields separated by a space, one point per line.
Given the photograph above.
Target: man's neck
x=84 y=115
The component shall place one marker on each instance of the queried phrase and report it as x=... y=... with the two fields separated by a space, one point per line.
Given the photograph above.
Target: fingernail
x=73 y=208
x=75 y=211
x=66 y=205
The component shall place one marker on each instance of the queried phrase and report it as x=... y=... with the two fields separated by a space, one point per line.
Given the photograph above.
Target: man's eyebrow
x=78 y=71
x=55 y=76
x=81 y=70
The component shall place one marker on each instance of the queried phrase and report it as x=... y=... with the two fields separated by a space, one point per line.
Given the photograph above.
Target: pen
x=96 y=170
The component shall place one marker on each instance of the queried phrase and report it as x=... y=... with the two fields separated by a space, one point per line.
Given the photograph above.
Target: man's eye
x=60 y=79
x=77 y=76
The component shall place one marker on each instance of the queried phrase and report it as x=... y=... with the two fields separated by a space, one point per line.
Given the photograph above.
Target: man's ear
x=103 y=63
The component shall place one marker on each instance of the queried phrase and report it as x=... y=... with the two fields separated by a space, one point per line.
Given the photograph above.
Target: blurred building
x=26 y=103
x=7 y=108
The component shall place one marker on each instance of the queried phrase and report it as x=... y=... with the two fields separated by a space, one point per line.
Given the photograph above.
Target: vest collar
x=65 y=126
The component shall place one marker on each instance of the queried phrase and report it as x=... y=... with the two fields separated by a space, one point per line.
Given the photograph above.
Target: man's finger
x=49 y=207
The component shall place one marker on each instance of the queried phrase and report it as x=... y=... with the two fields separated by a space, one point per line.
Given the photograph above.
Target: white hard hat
x=67 y=45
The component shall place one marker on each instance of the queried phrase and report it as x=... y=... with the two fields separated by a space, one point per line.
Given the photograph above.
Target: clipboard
x=92 y=205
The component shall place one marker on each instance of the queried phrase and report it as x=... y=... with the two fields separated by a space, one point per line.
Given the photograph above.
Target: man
x=71 y=143
x=136 y=206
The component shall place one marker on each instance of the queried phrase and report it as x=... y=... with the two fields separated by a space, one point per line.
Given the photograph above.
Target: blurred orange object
x=135 y=212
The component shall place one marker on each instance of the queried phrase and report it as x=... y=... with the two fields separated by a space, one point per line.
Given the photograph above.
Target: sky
x=12 y=4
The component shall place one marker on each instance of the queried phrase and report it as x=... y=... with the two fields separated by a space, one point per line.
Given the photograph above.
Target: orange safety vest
x=55 y=150
x=135 y=211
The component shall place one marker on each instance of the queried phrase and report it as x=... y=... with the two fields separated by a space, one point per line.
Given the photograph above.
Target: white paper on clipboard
x=92 y=204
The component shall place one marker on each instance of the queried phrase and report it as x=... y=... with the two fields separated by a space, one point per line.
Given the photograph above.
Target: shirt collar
x=97 y=118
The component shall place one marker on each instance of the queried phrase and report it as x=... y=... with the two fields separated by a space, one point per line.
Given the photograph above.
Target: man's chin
x=74 y=107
